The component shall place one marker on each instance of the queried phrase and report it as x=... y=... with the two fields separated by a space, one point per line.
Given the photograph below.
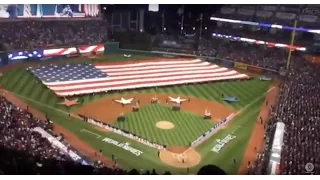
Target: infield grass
x=250 y=94
x=187 y=126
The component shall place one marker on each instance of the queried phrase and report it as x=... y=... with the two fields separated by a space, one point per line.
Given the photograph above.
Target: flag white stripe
x=167 y=74
x=161 y=70
x=148 y=64
x=169 y=78
x=109 y=70
x=74 y=81
x=135 y=86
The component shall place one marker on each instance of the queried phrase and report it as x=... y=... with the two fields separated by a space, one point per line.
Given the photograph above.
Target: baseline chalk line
x=87 y=131
x=236 y=129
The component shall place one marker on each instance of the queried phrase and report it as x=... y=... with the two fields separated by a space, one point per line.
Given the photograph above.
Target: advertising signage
x=48 y=10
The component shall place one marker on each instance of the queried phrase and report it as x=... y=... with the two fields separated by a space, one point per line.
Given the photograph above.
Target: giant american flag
x=67 y=80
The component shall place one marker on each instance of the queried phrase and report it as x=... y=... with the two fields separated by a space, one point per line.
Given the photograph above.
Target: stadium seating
x=21 y=35
x=299 y=108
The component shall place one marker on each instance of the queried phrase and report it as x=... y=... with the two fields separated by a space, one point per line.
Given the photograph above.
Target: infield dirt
x=180 y=157
x=106 y=110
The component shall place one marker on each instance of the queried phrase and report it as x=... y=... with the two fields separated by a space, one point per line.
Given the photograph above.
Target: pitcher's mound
x=164 y=125
x=186 y=159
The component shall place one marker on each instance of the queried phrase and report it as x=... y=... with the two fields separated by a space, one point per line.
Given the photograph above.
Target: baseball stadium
x=109 y=105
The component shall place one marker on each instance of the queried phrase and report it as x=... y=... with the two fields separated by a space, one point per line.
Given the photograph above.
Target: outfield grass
x=250 y=94
x=188 y=127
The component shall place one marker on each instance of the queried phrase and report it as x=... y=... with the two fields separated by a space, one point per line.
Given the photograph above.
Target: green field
x=188 y=127
x=250 y=93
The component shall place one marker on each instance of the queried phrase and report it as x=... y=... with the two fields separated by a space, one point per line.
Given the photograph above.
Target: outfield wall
x=39 y=55
x=56 y=143
x=275 y=158
x=223 y=62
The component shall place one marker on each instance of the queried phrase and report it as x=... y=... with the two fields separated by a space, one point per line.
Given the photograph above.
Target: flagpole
x=293 y=34
x=201 y=18
x=182 y=19
x=162 y=21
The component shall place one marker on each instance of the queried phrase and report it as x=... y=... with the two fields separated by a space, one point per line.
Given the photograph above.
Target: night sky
x=153 y=20
x=193 y=8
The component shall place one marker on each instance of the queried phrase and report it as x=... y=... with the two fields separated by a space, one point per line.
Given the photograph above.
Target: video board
x=48 y=10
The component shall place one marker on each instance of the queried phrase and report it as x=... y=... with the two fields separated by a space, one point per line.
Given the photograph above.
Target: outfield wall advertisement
x=14 y=11
x=3 y=59
x=255 y=69
x=240 y=65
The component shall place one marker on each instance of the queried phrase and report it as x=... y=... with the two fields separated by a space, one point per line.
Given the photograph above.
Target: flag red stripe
x=168 y=72
x=152 y=63
x=153 y=67
x=133 y=78
x=140 y=85
x=141 y=82
x=123 y=63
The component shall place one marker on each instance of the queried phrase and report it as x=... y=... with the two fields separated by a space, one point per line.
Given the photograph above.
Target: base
x=121 y=118
x=174 y=108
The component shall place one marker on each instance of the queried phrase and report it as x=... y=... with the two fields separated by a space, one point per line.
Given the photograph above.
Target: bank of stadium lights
x=194 y=28
x=205 y=28
x=164 y=29
x=105 y=7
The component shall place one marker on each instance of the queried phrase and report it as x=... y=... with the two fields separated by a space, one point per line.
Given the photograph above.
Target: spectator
x=29 y=34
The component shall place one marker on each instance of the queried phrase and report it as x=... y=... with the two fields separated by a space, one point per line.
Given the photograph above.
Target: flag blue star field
x=68 y=80
x=25 y=54
x=54 y=73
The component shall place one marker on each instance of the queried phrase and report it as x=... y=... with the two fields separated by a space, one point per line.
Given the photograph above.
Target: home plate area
x=180 y=157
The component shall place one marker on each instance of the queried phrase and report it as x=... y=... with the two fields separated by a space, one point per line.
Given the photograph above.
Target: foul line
x=239 y=112
x=23 y=97
x=236 y=129
x=258 y=98
x=87 y=131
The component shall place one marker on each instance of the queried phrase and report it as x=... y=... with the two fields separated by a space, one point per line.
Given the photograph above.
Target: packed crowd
x=252 y=54
x=19 y=35
x=299 y=109
x=265 y=34
x=16 y=133
x=262 y=19
x=16 y=128
x=25 y=151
